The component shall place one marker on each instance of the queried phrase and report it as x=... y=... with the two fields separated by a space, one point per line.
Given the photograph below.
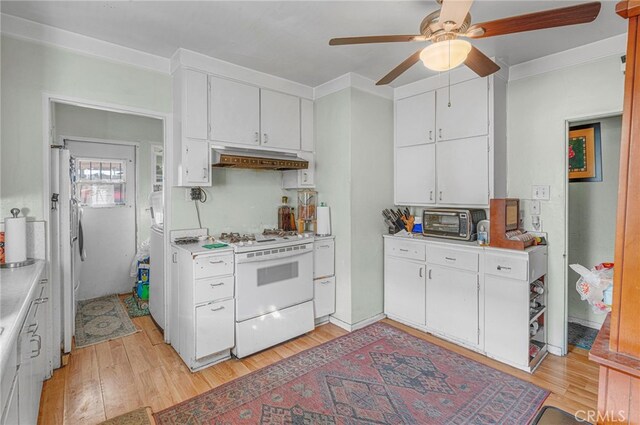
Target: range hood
x=256 y=159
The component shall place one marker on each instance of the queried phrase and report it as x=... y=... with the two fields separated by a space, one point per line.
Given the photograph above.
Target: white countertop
x=418 y=237
x=16 y=288
x=198 y=248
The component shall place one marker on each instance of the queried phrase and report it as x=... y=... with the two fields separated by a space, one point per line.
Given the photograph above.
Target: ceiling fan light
x=445 y=55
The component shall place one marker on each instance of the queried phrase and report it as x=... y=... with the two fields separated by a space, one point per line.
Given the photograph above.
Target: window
x=101 y=182
x=157 y=172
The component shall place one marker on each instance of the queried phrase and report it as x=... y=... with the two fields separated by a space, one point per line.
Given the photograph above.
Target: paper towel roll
x=324 y=221
x=15 y=239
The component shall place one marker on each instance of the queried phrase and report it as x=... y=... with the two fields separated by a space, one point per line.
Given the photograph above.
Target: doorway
x=592 y=192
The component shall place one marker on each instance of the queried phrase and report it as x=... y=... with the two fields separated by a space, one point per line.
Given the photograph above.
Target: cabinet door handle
x=440 y=133
x=430 y=134
x=213 y=285
x=503 y=268
x=257 y=138
x=431 y=195
x=265 y=139
x=216 y=262
x=441 y=195
x=429 y=275
x=34 y=326
x=218 y=308
x=174 y=257
x=449 y=259
x=420 y=272
x=204 y=172
x=35 y=353
x=44 y=281
x=305 y=177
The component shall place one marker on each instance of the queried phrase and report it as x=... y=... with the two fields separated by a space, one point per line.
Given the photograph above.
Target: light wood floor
x=115 y=377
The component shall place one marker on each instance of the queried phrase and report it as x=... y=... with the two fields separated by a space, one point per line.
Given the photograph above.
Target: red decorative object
x=376 y=375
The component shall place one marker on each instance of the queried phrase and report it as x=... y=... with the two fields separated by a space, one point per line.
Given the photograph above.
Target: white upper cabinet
x=416 y=120
x=196 y=163
x=463 y=177
x=468 y=115
x=234 y=112
x=280 y=120
x=415 y=175
x=306 y=125
x=194 y=114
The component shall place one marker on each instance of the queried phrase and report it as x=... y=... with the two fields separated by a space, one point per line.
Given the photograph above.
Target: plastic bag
x=594 y=286
x=141 y=254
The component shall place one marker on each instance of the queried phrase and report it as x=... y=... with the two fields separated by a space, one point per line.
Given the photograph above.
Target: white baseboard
x=556 y=351
x=588 y=323
x=355 y=326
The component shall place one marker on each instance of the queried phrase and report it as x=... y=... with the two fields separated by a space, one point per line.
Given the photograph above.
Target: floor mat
x=101 y=319
x=137 y=417
x=581 y=336
x=375 y=375
x=133 y=308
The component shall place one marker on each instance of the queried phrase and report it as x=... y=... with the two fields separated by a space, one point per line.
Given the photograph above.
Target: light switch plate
x=541 y=192
x=535 y=207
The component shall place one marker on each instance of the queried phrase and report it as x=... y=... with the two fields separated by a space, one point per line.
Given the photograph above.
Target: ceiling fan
x=444 y=28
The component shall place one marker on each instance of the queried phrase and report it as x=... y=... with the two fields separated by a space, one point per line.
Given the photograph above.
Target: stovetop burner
x=279 y=233
x=186 y=240
x=233 y=237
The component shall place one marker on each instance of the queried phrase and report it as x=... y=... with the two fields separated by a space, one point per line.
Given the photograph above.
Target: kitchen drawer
x=210 y=266
x=213 y=289
x=405 y=249
x=507 y=266
x=9 y=372
x=324 y=296
x=459 y=259
x=323 y=258
x=214 y=328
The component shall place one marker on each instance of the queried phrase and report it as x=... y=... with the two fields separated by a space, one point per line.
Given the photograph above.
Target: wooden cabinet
x=452 y=154
x=194 y=113
x=205 y=318
x=463 y=172
x=415 y=171
x=324 y=283
x=405 y=290
x=416 y=120
x=234 y=112
x=279 y=120
x=468 y=113
x=452 y=303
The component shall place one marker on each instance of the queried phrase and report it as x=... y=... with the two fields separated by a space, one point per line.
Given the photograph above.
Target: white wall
x=27 y=70
x=592 y=218
x=82 y=122
x=538 y=108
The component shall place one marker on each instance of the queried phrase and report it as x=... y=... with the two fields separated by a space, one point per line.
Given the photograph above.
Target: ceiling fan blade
x=454 y=11
x=479 y=63
x=572 y=15
x=375 y=39
x=398 y=70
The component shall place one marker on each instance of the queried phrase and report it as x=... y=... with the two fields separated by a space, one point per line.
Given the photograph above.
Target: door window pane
x=101 y=183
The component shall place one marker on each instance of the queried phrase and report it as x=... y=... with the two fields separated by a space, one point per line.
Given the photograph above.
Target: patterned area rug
x=376 y=375
x=133 y=309
x=101 y=319
x=581 y=336
x=137 y=417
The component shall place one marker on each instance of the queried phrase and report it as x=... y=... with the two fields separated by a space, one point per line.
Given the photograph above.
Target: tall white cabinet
x=450 y=144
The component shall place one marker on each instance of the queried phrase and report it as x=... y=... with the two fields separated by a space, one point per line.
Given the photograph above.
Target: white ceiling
x=290 y=38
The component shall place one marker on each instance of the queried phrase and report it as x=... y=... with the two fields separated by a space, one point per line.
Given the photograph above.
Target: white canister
x=15 y=238
x=324 y=220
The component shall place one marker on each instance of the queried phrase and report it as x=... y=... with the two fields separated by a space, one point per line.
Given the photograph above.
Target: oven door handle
x=289 y=254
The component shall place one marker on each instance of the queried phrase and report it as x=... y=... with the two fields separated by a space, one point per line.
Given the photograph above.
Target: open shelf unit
x=537 y=319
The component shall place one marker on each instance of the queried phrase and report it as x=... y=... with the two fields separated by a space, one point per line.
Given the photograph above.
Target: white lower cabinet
x=324 y=296
x=214 y=327
x=324 y=279
x=477 y=297
x=452 y=303
x=405 y=290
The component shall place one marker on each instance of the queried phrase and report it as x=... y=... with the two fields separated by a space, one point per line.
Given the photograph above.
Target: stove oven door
x=271 y=280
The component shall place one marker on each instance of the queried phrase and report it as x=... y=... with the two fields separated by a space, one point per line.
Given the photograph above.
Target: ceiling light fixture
x=445 y=55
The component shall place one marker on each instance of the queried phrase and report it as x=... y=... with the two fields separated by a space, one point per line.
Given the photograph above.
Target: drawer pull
x=324 y=246
x=404 y=250
x=325 y=282
x=503 y=268
x=35 y=353
x=218 y=308
x=213 y=285
x=216 y=262
x=41 y=300
x=449 y=259
x=33 y=328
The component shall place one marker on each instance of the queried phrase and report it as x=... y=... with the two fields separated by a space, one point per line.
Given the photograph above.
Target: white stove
x=273 y=288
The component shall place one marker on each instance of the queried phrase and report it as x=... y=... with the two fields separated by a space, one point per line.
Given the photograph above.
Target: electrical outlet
x=541 y=192
x=193 y=194
x=535 y=207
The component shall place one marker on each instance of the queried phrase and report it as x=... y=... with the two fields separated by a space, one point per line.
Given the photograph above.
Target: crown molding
x=354 y=80
x=612 y=46
x=28 y=30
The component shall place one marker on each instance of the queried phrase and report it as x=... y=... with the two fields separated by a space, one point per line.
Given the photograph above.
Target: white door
x=280 y=120
x=106 y=190
x=452 y=303
x=468 y=114
x=234 y=112
x=463 y=171
x=415 y=175
x=195 y=105
x=416 y=120
x=197 y=162
x=404 y=290
x=156 y=276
